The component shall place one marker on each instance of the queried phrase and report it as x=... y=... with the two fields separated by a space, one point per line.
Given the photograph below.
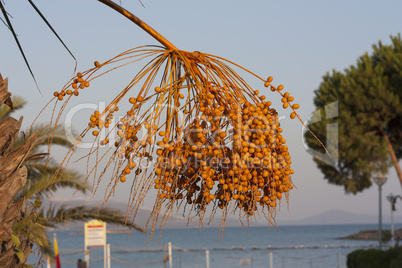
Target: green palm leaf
x=10 y=26
x=44 y=133
x=44 y=136
x=40 y=181
x=65 y=214
x=51 y=28
x=18 y=103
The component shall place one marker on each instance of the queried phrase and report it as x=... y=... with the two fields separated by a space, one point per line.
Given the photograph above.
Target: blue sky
x=296 y=42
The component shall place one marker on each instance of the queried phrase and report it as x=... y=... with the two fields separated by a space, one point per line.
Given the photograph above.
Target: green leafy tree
x=369 y=96
x=40 y=183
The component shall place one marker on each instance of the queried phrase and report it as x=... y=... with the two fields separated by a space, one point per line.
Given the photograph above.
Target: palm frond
x=18 y=103
x=51 y=28
x=42 y=132
x=40 y=181
x=65 y=214
x=31 y=224
x=10 y=26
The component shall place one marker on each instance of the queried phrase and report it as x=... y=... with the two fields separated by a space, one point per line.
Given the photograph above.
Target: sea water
x=290 y=246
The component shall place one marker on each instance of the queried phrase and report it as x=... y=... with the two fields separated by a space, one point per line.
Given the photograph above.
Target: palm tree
x=40 y=184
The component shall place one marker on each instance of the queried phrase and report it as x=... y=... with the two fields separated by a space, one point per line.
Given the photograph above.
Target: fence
x=83 y=252
x=173 y=256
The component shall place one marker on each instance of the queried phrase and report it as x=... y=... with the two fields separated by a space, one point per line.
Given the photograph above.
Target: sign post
x=95 y=236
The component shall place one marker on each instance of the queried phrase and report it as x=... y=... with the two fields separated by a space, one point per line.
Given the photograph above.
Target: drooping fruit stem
x=140 y=23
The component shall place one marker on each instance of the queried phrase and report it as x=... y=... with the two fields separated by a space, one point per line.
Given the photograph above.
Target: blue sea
x=291 y=246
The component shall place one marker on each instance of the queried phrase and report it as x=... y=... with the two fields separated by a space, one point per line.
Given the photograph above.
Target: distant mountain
x=331 y=217
x=143 y=214
x=336 y=216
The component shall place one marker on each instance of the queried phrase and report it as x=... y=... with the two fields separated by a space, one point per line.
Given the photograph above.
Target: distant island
x=373 y=235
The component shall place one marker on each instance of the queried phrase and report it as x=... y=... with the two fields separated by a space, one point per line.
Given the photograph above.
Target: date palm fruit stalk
x=210 y=139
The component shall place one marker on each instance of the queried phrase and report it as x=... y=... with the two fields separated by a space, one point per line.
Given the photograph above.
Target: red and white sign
x=95 y=234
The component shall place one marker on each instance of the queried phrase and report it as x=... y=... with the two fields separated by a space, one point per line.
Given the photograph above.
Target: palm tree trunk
x=13 y=177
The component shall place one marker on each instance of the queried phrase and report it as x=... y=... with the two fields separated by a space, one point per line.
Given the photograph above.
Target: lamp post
x=380 y=180
x=392 y=199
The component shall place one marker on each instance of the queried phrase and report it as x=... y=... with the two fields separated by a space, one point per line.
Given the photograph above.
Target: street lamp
x=380 y=180
x=392 y=199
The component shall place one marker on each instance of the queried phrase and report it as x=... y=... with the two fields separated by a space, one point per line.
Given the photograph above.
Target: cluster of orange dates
x=228 y=150
x=232 y=150
x=235 y=153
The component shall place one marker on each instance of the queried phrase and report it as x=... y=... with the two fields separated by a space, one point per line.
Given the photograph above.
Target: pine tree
x=369 y=95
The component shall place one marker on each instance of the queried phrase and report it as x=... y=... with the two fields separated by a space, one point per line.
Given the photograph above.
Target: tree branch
x=393 y=155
